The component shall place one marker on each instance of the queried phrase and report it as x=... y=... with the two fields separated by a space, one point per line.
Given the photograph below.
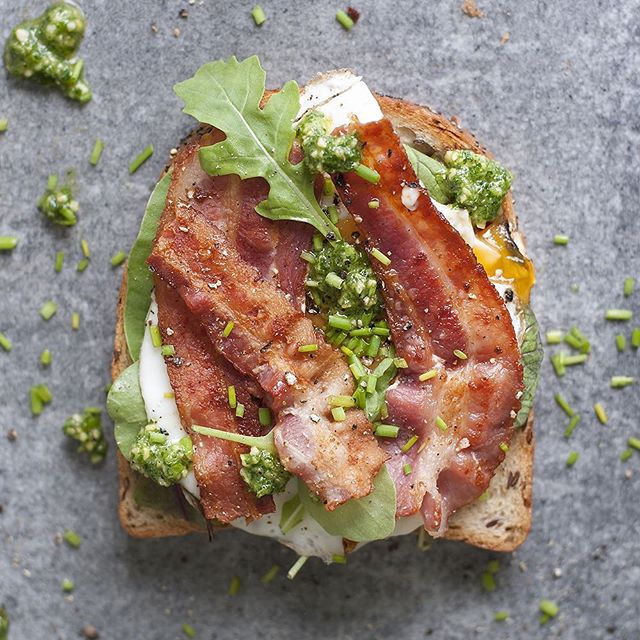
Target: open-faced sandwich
x=324 y=333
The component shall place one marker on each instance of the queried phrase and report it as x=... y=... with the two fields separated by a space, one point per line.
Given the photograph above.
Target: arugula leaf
x=370 y=518
x=139 y=277
x=227 y=95
x=431 y=173
x=126 y=408
x=532 y=354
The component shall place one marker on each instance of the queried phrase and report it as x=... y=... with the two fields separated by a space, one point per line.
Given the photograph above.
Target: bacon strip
x=438 y=300
x=200 y=254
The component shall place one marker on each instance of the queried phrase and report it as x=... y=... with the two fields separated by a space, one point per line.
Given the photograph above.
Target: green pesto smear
x=45 y=48
x=57 y=203
x=86 y=428
x=324 y=153
x=263 y=472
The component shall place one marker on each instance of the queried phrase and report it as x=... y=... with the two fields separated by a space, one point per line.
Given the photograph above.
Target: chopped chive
x=7 y=243
x=339 y=558
x=334 y=280
x=239 y=410
x=258 y=15
x=118 y=258
x=339 y=322
x=380 y=331
x=572 y=360
x=554 y=337
x=635 y=338
x=308 y=348
x=75 y=321
x=43 y=393
x=36 y=402
x=409 y=443
x=493 y=566
x=488 y=581
x=67 y=585
x=572 y=458
x=4 y=124
x=407 y=469
x=618 y=314
x=140 y=159
x=600 y=413
x=441 y=424
x=576 y=339
x=72 y=538
x=400 y=363
x=231 y=396
x=59 y=261
x=619 y=382
x=226 y=332
x=372 y=381
x=48 y=310
x=264 y=416
x=621 y=343
x=52 y=183
x=307 y=256
x=560 y=239
x=387 y=431
x=564 y=405
x=170 y=395
x=380 y=257
x=271 y=574
x=188 y=630
x=297 y=565
x=234 y=586
x=82 y=265
x=85 y=248
x=339 y=414
x=427 y=375
x=364 y=331
x=345 y=20
x=460 y=354
x=628 y=286
x=626 y=454
x=549 y=608
x=572 y=341
x=557 y=360
x=318 y=241
x=357 y=369
x=96 y=152
x=573 y=423
x=311 y=283
x=5 y=343
x=156 y=337
x=45 y=358
x=334 y=214
x=373 y=204
x=374 y=346
x=168 y=350
x=328 y=188
x=501 y=616
x=341 y=401
x=504 y=447
x=634 y=443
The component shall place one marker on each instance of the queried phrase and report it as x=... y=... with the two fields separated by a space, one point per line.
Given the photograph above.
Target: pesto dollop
x=57 y=203
x=86 y=428
x=263 y=472
x=324 y=153
x=45 y=48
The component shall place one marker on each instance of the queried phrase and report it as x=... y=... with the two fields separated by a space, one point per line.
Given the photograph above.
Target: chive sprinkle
x=328 y=188
x=339 y=414
x=307 y=256
x=625 y=455
x=504 y=447
x=308 y=348
x=48 y=310
x=572 y=360
x=339 y=322
x=380 y=257
x=493 y=566
x=169 y=395
x=409 y=443
x=156 y=337
x=226 y=332
x=334 y=280
x=264 y=416
x=45 y=358
x=488 y=581
x=258 y=15
x=82 y=265
x=85 y=248
x=554 y=337
x=501 y=616
x=338 y=558
x=572 y=458
x=549 y=608
x=271 y=574
x=460 y=354
x=573 y=423
x=5 y=343
x=634 y=443
x=635 y=338
x=118 y=258
x=7 y=243
x=621 y=342
x=231 y=396
x=561 y=239
x=564 y=405
x=619 y=382
x=407 y=469
x=576 y=339
x=345 y=21
x=168 y=350
x=367 y=173
x=239 y=410
x=35 y=401
x=140 y=159
x=297 y=565
x=4 y=124
x=75 y=321
x=234 y=586
x=387 y=431
x=628 y=286
x=618 y=314
x=67 y=585
x=96 y=152
x=600 y=413
x=557 y=360
x=59 y=261
x=441 y=424
x=188 y=630
x=72 y=538
x=427 y=375
x=374 y=203
x=341 y=401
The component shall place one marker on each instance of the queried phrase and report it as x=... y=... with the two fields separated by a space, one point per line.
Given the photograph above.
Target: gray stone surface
x=558 y=103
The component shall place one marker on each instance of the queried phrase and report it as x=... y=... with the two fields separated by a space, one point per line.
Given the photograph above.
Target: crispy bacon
x=438 y=301
x=219 y=271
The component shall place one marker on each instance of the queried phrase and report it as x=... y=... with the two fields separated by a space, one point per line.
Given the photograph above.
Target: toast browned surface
x=501 y=522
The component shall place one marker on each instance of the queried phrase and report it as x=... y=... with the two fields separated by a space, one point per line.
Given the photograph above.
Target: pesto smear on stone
x=45 y=48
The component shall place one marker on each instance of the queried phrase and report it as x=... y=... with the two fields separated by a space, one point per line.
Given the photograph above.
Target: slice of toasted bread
x=500 y=522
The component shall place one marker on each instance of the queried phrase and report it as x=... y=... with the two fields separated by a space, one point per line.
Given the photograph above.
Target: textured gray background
x=558 y=104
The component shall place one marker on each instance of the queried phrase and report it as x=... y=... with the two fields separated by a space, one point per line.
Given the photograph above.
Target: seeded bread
x=501 y=520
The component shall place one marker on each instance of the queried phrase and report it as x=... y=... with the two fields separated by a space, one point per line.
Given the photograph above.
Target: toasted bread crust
x=502 y=521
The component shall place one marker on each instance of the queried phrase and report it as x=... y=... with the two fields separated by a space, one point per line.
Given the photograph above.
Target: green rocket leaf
x=531 y=350
x=227 y=95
